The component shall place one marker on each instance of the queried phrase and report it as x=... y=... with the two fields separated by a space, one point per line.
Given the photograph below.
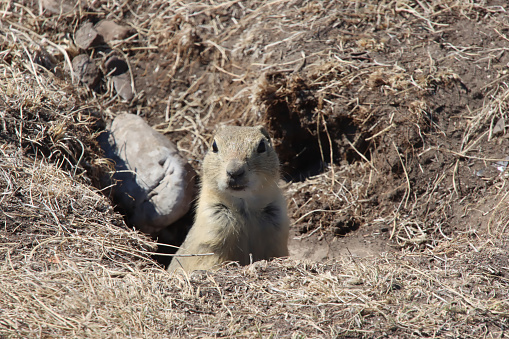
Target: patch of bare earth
x=390 y=119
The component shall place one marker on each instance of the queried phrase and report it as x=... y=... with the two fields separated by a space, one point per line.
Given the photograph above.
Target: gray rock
x=155 y=185
x=499 y=127
x=59 y=6
x=109 y=30
x=123 y=86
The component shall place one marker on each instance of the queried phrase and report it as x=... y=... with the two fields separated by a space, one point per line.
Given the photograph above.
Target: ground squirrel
x=241 y=214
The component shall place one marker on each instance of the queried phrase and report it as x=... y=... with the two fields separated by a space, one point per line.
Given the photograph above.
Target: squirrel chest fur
x=241 y=214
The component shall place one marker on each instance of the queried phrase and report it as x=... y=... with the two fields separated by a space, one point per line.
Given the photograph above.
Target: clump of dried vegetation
x=394 y=111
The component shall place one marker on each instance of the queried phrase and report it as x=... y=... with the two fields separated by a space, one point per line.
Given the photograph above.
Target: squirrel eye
x=214 y=147
x=261 y=147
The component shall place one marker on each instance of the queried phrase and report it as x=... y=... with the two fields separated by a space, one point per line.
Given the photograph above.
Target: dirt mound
x=390 y=119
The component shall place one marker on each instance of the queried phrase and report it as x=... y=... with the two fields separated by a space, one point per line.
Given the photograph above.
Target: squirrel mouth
x=236 y=187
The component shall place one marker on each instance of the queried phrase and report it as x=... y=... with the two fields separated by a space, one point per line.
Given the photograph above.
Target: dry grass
x=71 y=268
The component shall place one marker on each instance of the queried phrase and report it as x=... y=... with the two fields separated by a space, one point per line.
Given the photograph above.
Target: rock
x=112 y=31
x=155 y=185
x=123 y=86
x=117 y=68
x=86 y=36
x=499 y=127
x=58 y=6
x=86 y=70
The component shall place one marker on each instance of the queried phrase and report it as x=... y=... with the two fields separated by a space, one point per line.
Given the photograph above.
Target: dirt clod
x=86 y=71
x=87 y=36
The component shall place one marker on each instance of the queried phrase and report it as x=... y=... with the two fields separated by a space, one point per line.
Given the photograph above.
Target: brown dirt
x=401 y=93
x=390 y=121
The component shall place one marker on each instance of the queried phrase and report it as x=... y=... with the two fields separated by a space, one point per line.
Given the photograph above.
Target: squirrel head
x=240 y=161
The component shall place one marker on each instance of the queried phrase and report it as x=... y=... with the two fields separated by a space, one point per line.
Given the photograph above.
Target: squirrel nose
x=235 y=169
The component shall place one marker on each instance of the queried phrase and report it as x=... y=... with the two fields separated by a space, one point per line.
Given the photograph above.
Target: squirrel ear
x=264 y=132
x=214 y=147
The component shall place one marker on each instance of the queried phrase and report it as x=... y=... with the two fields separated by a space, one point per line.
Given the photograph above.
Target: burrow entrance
x=307 y=138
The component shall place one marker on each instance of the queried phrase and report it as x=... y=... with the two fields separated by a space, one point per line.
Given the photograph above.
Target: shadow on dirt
x=306 y=137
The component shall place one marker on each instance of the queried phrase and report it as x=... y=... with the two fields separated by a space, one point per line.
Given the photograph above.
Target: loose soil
x=390 y=120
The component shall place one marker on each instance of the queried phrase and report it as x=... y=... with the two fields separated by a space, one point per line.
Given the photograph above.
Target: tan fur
x=241 y=216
